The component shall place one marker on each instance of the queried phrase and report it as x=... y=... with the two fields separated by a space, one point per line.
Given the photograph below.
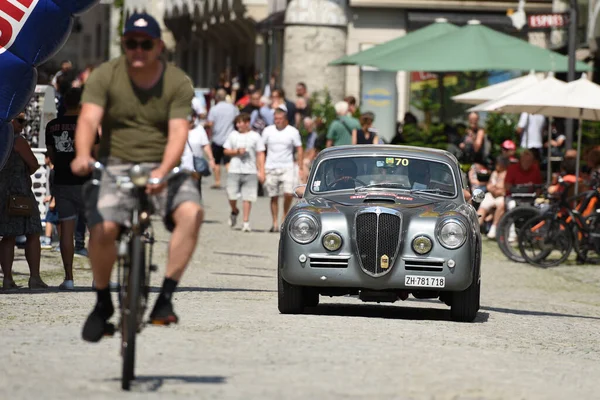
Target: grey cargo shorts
x=107 y=202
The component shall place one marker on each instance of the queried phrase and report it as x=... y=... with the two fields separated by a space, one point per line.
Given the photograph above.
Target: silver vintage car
x=381 y=223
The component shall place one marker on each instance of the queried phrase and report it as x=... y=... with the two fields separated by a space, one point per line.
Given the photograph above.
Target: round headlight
x=332 y=241
x=304 y=228
x=422 y=245
x=452 y=234
x=139 y=175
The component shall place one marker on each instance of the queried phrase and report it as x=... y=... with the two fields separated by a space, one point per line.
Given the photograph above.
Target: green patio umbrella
x=473 y=47
x=394 y=46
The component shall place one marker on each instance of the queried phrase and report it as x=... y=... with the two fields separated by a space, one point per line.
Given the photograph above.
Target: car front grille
x=377 y=240
x=328 y=262
x=423 y=265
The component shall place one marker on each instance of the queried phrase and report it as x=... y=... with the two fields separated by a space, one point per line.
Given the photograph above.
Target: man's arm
x=260 y=164
x=85 y=137
x=178 y=133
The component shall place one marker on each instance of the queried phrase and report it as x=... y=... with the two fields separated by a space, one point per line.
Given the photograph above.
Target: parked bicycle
x=527 y=206
x=570 y=223
x=134 y=260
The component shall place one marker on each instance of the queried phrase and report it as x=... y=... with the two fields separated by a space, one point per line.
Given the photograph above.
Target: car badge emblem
x=378 y=211
x=140 y=23
x=385 y=262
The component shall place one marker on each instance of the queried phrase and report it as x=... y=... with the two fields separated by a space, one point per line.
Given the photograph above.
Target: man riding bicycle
x=142 y=104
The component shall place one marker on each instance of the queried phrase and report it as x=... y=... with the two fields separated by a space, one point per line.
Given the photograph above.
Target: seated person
x=477 y=172
x=526 y=172
x=344 y=174
x=494 y=198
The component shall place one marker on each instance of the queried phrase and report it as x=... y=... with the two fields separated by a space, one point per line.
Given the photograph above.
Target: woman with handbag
x=197 y=144
x=20 y=214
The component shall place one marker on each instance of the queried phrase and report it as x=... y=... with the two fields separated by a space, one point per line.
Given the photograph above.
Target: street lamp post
x=571 y=74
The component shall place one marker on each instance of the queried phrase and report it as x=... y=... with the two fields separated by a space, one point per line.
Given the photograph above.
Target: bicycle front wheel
x=129 y=319
x=508 y=230
x=545 y=241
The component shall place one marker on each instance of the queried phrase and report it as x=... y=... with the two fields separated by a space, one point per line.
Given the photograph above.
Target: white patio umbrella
x=578 y=99
x=498 y=90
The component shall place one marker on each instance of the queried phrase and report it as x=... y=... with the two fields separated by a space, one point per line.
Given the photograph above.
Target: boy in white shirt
x=246 y=168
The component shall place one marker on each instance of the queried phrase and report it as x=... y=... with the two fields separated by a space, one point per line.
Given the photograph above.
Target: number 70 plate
x=425 y=281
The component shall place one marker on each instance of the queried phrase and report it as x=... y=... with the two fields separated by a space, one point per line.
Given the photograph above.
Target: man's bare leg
x=67 y=246
x=274 y=210
x=103 y=254
x=217 y=172
x=187 y=218
x=287 y=204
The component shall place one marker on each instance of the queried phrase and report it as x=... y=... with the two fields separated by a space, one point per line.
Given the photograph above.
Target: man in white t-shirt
x=281 y=139
x=246 y=168
x=197 y=143
x=531 y=130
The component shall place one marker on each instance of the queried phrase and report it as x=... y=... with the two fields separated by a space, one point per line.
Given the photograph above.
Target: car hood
x=408 y=204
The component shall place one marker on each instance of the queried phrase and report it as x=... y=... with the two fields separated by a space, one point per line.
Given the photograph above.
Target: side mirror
x=478 y=195
x=299 y=191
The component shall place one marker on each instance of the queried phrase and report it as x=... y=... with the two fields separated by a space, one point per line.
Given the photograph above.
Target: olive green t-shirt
x=135 y=125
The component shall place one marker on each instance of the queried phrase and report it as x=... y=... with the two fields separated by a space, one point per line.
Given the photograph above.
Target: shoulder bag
x=200 y=164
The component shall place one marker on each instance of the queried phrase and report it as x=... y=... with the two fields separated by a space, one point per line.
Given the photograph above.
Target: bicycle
x=134 y=260
x=561 y=229
x=527 y=207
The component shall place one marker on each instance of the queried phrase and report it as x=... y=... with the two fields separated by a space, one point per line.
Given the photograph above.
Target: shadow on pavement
x=388 y=312
x=248 y=275
x=239 y=254
x=208 y=289
x=151 y=383
x=153 y=289
x=536 y=313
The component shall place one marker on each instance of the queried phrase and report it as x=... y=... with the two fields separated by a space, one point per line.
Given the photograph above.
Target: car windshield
x=383 y=172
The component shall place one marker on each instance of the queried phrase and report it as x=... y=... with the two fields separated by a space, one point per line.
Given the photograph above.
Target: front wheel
x=290 y=297
x=129 y=317
x=508 y=230
x=465 y=304
x=546 y=241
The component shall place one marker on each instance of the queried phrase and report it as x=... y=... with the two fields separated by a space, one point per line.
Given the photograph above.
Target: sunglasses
x=132 y=44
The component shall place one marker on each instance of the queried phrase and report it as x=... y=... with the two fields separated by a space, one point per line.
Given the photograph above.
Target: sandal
x=8 y=284
x=37 y=283
x=215 y=187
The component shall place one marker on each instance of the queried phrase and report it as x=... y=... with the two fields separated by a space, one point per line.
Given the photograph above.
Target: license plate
x=425 y=281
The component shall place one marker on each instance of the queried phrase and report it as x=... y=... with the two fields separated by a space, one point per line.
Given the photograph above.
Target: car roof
x=375 y=149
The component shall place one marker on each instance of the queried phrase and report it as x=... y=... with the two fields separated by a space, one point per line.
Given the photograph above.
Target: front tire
x=290 y=297
x=130 y=312
x=516 y=217
x=465 y=304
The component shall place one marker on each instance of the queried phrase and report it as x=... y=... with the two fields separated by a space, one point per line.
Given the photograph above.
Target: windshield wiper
x=435 y=190
x=382 y=184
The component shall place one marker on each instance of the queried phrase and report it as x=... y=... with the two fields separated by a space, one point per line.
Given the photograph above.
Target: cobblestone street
x=536 y=337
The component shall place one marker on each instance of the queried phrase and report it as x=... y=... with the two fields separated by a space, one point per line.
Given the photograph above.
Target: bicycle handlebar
x=137 y=175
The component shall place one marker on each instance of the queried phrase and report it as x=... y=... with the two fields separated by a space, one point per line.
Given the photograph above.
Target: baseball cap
x=142 y=23
x=282 y=108
x=509 y=145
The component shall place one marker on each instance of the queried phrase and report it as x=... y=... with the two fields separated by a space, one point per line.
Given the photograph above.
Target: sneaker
x=82 y=252
x=96 y=325
x=492 y=232
x=46 y=243
x=163 y=313
x=232 y=219
x=66 y=285
x=246 y=227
